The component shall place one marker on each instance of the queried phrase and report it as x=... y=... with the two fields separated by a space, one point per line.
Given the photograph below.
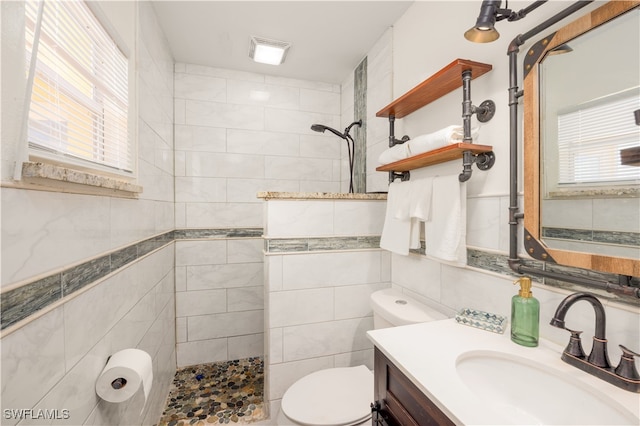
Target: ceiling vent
x=265 y=51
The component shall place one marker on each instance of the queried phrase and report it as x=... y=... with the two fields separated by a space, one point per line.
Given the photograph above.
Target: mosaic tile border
x=608 y=237
x=499 y=263
x=296 y=245
x=360 y=133
x=26 y=300
x=479 y=259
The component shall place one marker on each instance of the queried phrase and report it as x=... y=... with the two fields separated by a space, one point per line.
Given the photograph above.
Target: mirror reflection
x=590 y=141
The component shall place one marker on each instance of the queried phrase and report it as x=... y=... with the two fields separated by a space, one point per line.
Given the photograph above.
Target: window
x=591 y=137
x=79 y=108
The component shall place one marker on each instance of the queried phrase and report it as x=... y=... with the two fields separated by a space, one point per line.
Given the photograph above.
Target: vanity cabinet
x=400 y=402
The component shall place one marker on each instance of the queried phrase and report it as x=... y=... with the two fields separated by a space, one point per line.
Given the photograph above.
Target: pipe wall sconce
x=490 y=12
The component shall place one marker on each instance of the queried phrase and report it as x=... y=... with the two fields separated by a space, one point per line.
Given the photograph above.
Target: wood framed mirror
x=582 y=142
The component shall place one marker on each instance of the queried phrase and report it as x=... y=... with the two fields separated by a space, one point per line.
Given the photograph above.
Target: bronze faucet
x=624 y=375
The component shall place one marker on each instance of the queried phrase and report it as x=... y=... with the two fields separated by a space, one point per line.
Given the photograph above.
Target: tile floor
x=219 y=393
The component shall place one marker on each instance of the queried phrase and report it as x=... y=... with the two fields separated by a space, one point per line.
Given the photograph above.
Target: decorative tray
x=483 y=320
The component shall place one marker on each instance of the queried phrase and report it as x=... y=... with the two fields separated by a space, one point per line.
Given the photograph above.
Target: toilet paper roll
x=125 y=371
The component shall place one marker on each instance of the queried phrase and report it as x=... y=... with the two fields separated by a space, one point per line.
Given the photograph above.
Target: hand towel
x=419 y=206
x=394 y=153
x=398 y=234
x=420 y=195
x=445 y=233
x=443 y=137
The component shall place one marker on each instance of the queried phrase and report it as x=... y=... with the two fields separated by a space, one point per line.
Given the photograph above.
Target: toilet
x=342 y=396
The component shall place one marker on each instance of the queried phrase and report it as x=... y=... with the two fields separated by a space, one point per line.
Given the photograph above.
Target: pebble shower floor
x=218 y=393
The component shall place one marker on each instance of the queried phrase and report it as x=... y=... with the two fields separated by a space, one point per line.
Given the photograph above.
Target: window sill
x=50 y=177
x=619 y=192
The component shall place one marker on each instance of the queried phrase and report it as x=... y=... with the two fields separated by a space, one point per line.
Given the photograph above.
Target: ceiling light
x=267 y=51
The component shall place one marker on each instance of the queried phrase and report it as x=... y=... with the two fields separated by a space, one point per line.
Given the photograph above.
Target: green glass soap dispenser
x=525 y=315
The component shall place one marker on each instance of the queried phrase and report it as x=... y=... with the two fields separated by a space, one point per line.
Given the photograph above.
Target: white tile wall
x=54 y=360
x=451 y=289
x=295 y=307
x=291 y=218
x=33 y=361
x=251 y=133
x=331 y=269
x=593 y=214
x=317 y=303
x=226 y=324
x=379 y=94
x=219 y=300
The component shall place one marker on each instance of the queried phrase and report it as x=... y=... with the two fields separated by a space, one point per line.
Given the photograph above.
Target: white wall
x=52 y=360
x=425 y=39
x=379 y=95
x=36 y=225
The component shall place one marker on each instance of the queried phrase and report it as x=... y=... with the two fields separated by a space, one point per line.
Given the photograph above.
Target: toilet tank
x=392 y=308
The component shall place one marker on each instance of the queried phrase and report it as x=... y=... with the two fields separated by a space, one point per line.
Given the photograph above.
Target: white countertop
x=428 y=353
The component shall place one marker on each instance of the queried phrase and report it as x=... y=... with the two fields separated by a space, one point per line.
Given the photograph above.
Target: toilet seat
x=330 y=397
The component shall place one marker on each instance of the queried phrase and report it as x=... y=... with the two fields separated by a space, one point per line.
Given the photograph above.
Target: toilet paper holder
x=119 y=383
x=125 y=372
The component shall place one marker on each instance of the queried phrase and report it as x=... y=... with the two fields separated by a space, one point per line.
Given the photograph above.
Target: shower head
x=350 y=143
x=321 y=128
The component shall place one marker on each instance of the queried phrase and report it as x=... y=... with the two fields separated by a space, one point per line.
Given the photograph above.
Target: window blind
x=591 y=137
x=79 y=99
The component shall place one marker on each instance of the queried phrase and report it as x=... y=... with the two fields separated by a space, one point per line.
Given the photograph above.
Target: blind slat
x=79 y=104
x=590 y=140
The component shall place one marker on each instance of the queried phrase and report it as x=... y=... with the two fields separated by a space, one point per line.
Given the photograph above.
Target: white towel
x=424 y=143
x=394 y=153
x=443 y=137
x=420 y=195
x=398 y=234
x=445 y=233
x=419 y=209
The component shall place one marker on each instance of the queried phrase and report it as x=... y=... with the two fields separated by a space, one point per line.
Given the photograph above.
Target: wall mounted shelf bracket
x=484 y=112
x=404 y=176
x=444 y=81
x=484 y=161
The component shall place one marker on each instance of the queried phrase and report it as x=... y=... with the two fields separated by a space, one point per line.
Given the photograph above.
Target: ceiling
x=329 y=38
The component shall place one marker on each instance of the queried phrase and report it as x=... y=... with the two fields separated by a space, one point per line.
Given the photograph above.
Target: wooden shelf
x=444 y=81
x=441 y=155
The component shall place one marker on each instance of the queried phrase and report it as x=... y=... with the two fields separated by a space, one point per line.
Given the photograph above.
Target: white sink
x=530 y=393
x=481 y=378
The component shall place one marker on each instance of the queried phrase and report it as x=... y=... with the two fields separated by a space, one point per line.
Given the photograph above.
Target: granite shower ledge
x=269 y=195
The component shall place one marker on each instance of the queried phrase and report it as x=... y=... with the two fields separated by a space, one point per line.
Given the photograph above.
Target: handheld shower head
x=350 y=143
x=321 y=128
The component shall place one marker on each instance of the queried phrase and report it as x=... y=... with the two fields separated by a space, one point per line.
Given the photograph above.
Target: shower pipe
x=620 y=287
